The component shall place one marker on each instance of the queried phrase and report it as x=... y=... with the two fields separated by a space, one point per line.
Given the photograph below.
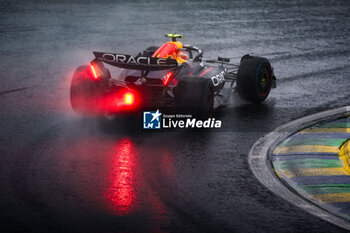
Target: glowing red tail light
x=128 y=98
x=167 y=78
x=94 y=71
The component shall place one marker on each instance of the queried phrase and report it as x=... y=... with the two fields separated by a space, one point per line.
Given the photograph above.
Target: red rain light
x=167 y=78
x=93 y=71
x=128 y=98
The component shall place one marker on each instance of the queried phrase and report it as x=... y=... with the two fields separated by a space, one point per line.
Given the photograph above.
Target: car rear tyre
x=195 y=96
x=254 y=78
x=85 y=92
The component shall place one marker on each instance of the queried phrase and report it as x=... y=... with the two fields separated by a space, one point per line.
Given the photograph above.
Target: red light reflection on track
x=121 y=193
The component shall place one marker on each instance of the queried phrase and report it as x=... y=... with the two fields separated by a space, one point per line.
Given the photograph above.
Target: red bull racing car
x=172 y=76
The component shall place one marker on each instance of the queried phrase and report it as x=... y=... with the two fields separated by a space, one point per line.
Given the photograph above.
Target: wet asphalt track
x=59 y=172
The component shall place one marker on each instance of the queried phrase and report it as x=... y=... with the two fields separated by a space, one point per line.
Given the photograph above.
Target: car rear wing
x=136 y=63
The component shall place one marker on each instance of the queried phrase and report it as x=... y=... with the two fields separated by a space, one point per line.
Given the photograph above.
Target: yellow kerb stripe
x=306 y=148
x=326 y=130
x=332 y=197
x=277 y=173
x=329 y=171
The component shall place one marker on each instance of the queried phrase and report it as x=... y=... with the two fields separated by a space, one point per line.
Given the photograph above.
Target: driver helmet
x=182 y=56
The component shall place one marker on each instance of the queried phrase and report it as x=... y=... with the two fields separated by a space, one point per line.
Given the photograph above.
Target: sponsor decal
x=137 y=61
x=157 y=120
x=219 y=78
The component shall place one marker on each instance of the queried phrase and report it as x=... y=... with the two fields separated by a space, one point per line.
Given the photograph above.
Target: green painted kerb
x=325 y=188
x=307 y=163
x=312 y=141
x=334 y=125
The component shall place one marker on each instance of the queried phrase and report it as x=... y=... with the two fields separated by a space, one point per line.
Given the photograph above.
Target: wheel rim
x=264 y=81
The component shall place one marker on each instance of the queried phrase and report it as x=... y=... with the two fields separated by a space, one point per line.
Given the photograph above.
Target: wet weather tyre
x=254 y=78
x=195 y=96
x=84 y=92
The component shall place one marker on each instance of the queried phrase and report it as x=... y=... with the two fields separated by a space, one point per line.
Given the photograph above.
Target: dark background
x=60 y=172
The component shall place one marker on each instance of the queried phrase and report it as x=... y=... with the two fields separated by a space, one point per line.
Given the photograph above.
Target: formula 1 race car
x=173 y=76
